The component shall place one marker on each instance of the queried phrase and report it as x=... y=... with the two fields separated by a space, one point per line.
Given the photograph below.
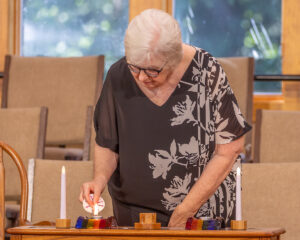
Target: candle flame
x=63 y=169
x=238 y=171
x=96 y=209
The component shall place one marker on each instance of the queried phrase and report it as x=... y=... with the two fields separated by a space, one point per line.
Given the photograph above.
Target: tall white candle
x=238 y=215
x=63 y=210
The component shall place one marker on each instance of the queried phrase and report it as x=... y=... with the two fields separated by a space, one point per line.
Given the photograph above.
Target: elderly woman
x=168 y=129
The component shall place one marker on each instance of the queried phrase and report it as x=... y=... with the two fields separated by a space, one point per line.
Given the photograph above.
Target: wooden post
x=291 y=52
x=137 y=6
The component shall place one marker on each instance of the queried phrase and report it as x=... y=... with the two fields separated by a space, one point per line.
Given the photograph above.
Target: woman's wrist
x=191 y=206
x=100 y=179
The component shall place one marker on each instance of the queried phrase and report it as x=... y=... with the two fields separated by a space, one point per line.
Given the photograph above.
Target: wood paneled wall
x=4 y=26
x=9 y=29
x=291 y=37
x=137 y=6
x=291 y=52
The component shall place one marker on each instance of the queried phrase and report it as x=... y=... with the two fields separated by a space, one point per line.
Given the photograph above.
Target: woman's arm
x=213 y=175
x=105 y=164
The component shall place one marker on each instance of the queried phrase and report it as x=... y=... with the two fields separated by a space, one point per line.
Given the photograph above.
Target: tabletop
x=47 y=232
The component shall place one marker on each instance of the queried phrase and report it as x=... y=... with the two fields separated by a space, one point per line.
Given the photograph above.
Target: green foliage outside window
x=68 y=28
x=236 y=28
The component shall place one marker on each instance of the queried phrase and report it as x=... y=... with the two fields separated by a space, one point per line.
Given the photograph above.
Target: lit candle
x=63 y=211
x=238 y=215
x=96 y=209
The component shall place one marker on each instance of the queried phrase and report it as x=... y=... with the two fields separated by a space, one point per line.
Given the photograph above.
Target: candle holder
x=147 y=221
x=63 y=223
x=238 y=224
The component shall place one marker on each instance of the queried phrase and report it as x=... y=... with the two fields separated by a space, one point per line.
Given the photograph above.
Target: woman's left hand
x=180 y=216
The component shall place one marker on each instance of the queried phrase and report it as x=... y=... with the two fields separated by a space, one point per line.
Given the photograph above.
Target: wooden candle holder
x=238 y=224
x=147 y=221
x=63 y=223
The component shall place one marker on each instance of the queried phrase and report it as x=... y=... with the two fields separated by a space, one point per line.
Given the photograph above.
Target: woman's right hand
x=96 y=187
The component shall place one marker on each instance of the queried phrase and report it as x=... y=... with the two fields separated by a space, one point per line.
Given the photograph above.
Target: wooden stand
x=238 y=225
x=147 y=221
x=63 y=223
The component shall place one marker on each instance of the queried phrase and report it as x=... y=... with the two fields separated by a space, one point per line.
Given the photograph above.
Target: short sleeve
x=228 y=119
x=105 y=119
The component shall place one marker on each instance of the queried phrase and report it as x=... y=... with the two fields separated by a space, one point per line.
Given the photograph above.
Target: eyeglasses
x=148 y=71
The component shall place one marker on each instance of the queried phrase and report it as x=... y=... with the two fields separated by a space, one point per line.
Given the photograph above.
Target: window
x=236 y=28
x=74 y=28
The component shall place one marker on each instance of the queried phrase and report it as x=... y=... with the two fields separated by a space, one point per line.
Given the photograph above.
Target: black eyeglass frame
x=155 y=72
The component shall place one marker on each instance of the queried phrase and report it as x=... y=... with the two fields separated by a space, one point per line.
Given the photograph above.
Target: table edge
x=268 y=232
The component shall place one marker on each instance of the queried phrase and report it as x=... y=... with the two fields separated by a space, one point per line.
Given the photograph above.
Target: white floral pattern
x=206 y=108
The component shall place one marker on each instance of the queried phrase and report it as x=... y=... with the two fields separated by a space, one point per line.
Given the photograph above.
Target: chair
x=270 y=196
x=25 y=130
x=44 y=189
x=24 y=187
x=277 y=136
x=65 y=85
x=90 y=135
x=240 y=73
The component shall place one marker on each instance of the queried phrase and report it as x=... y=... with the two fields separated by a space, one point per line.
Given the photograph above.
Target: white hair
x=153 y=34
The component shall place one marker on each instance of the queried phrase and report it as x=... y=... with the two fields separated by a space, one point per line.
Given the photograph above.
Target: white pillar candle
x=63 y=210
x=238 y=215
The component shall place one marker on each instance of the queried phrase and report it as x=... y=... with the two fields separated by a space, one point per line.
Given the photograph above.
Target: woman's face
x=150 y=75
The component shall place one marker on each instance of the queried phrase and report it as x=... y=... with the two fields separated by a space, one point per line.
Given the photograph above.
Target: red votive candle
x=102 y=224
x=188 y=224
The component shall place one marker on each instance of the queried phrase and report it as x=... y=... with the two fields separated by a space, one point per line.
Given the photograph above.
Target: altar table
x=51 y=233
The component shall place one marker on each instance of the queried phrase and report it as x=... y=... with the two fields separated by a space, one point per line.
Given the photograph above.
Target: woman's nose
x=142 y=76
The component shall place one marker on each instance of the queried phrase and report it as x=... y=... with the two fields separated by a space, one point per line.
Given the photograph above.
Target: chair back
x=44 y=200
x=240 y=74
x=277 y=136
x=89 y=142
x=270 y=196
x=65 y=85
x=24 y=186
x=25 y=130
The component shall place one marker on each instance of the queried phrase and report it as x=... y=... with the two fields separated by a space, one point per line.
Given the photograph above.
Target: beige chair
x=270 y=196
x=14 y=157
x=240 y=73
x=44 y=189
x=65 y=85
x=25 y=130
x=89 y=142
x=277 y=136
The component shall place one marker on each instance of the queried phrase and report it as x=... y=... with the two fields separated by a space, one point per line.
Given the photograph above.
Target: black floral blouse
x=164 y=149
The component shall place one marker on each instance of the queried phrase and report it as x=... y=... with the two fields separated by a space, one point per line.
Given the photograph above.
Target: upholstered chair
x=65 y=85
x=277 y=136
x=270 y=196
x=44 y=189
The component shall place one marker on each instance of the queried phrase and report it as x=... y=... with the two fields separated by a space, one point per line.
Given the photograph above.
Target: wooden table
x=51 y=233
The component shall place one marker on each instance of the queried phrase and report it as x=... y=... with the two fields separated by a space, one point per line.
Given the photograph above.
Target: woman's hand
x=105 y=164
x=96 y=187
x=180 y=216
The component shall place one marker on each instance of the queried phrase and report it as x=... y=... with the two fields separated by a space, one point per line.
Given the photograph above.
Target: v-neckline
x=152 y=102
x=172 y=93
